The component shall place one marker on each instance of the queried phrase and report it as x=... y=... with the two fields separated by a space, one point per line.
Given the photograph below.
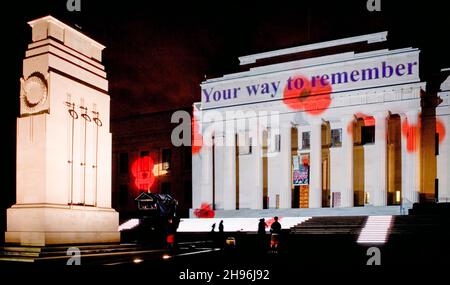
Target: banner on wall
x=300 y=173
x=357 y=72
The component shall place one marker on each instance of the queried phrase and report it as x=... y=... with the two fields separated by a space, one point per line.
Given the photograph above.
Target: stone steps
x=59 y=253
x=307 y=212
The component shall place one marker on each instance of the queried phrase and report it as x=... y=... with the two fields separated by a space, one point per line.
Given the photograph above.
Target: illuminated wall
x=374 y=100
x=443 y=129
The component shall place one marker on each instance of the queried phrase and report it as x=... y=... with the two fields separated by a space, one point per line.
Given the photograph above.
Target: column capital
x=207 y=139
x=301 y=127
x=316 y=121
x=219 y=134
x=348 y=118
x=287 y=126
x=412 y=113
x=382 y=114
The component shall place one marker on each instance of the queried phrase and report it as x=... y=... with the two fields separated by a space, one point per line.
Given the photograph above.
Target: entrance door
x=296 y=197
x=304 y=196
x=302 y=191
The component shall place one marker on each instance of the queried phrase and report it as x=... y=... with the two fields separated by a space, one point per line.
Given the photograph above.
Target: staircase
x=376 y=230
x=60 y=254
x=342 y=225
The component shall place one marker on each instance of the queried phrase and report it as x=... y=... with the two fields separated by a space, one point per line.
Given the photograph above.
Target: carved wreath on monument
x=34 y=90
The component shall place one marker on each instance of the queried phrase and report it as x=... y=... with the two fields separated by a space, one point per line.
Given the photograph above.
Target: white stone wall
x=401 y=97
x=443 y=159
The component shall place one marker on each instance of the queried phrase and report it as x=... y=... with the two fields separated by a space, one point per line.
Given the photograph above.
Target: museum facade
x=346 y=129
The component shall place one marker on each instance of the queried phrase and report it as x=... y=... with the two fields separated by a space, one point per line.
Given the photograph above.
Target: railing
x=443 y=199
x=404 y=206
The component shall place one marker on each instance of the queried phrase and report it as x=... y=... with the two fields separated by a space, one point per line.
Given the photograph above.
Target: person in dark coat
x=262 y=227
x=262 y=242
x=276 y=226
x=275 y=229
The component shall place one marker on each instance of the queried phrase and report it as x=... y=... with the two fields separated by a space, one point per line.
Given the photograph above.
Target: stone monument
x=63 y=191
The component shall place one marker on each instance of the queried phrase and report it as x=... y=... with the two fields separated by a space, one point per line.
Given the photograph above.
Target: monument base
x=40 y=225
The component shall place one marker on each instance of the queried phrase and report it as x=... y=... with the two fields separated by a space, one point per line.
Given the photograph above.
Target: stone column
x=315 y=187
x=347 y=148
x=380 y=197
x=286 y=176
x=229 y=171
x=207 y=169
x=300 y=130
x=410 y=157
x=218 y=170
x=258 y=146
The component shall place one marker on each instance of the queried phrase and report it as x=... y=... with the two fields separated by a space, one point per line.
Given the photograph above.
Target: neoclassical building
x=336 y=129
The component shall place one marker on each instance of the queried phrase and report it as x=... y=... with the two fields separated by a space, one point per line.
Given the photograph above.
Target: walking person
x=221 y=238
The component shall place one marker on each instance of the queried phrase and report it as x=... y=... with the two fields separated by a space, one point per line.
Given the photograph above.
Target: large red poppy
x=142 y=177
x=312 y=98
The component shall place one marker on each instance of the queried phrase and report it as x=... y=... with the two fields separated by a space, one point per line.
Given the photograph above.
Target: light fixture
x=397 y=196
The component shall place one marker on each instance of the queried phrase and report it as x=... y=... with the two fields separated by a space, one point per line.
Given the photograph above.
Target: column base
x=41 y=225
x=56 y=238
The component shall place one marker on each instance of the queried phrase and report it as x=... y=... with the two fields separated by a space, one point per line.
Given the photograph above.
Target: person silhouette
x=221 y=226
x=213 y=227
x=275 y=229
x=262 y=242
x=262 y=227
x=221 y=237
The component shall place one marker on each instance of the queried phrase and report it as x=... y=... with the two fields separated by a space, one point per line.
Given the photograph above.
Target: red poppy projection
x=440 y=129
x=142 y=177
x=305 y=159
x=411 y=132
x=197 y=139
x=367 y=121
x=205 y=211
x=302 y=94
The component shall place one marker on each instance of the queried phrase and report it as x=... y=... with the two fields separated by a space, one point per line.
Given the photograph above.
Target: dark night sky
x=157 y=54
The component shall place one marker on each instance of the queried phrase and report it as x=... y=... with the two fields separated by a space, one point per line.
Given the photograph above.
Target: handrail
x=402 y=208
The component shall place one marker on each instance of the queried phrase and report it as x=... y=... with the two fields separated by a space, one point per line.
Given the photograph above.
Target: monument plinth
x=63 y=142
